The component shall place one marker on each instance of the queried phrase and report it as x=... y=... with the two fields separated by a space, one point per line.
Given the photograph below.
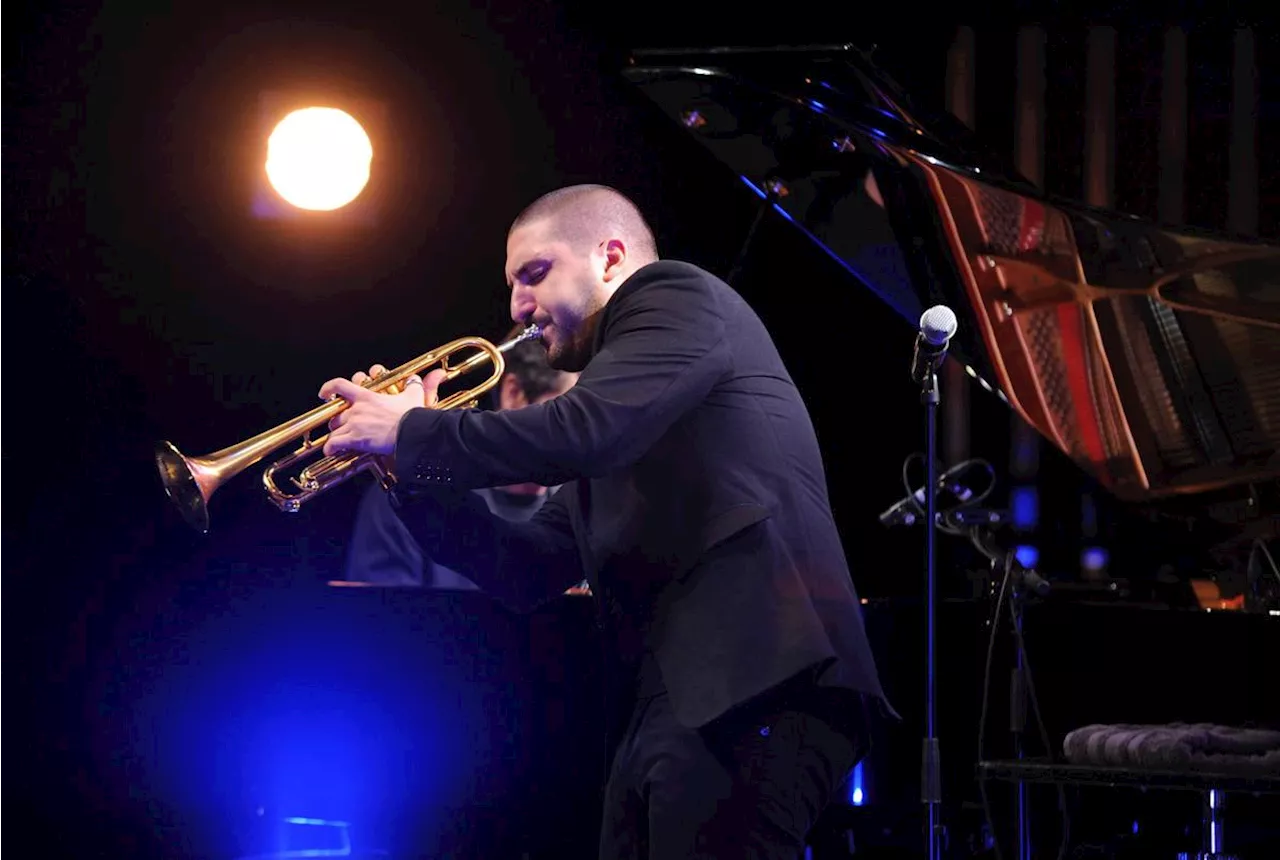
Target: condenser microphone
x=937 y=327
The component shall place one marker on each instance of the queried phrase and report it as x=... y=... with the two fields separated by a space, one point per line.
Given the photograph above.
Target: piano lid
x=1150 y=355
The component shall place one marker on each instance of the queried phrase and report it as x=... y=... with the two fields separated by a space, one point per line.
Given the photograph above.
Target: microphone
x=937 y=327
x=904 y=513
x=976 y=517
x=985 y=541
x=1032 y=580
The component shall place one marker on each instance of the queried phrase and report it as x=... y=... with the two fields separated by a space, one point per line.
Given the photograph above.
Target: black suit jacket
x=695 y=499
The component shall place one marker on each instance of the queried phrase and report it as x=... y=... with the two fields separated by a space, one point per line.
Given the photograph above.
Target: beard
x=572 y=354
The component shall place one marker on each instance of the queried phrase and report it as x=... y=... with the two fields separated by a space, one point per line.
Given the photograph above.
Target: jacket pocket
x=728 y=523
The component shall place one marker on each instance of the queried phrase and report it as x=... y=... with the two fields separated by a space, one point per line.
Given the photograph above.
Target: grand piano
x=1145 y=360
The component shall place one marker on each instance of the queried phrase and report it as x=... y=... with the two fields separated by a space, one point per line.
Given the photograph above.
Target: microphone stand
x=931 y=773
x=937 y=326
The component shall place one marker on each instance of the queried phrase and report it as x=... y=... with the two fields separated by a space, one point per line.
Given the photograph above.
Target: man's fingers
x=335 y=444
x=361 y=378
x=431 y=385
x=409 y=382
x=343 y=388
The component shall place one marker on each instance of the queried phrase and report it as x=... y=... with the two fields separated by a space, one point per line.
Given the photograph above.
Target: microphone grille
x=938 y=324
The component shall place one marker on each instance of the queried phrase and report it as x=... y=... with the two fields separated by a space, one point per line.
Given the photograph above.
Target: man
x=695 y=501
x=383 y=551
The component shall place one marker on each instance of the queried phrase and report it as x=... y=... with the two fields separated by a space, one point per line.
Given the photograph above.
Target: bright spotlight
x=318 y=158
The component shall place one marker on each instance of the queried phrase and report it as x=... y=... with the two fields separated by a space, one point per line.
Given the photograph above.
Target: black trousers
x=749 y=785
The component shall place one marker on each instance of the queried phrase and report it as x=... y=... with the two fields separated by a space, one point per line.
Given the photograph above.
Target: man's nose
x=522 y=304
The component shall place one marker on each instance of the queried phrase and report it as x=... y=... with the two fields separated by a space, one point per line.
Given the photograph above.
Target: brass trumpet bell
x=191 y=481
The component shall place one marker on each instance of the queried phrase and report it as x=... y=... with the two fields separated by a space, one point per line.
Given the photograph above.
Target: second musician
x=382 y=551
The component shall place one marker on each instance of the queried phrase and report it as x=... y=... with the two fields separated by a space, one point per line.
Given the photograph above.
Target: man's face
x=511 y=396
x=559 y=288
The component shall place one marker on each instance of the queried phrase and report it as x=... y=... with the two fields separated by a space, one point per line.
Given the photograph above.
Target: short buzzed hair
x=581 y=214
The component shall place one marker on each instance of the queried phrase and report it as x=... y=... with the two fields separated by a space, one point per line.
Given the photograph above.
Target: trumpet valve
x=306 y=483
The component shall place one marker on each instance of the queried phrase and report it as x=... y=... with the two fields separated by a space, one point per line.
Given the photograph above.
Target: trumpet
x=191 y=481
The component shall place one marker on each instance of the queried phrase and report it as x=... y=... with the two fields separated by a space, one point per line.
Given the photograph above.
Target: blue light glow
x=1025 y=503
x=1088 y=515
x=1024 y=459
x=274 y=717
x=1027 y=556
x=1093 y=558
x=857 y=797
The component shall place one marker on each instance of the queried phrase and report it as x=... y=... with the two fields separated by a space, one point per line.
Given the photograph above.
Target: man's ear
x=509 y=394
x=615 y=258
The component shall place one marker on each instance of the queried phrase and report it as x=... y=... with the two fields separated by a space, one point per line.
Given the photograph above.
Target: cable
x=986 y=701
x=991 y=481
x=957 y=469
x=1044 y=733
x=906 y=481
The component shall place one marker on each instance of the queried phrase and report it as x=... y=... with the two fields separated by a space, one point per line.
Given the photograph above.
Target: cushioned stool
x=1213 y=787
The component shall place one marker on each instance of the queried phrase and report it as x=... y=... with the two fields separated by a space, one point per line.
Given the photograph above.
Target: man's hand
x=369 y=424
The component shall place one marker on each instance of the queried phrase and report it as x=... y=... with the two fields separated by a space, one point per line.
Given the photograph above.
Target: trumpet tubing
x=191 y=481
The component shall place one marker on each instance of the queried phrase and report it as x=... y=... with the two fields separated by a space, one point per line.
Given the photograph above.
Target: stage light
x=318 y=158
x=857 y=796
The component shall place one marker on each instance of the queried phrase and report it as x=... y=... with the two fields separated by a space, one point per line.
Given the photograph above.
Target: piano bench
x=1212 y=786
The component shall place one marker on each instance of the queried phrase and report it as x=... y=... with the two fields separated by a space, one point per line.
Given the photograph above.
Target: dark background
x=144 y=301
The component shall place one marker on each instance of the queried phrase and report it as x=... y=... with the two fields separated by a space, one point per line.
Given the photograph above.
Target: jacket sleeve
x=663 y=349
x=521 y=564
